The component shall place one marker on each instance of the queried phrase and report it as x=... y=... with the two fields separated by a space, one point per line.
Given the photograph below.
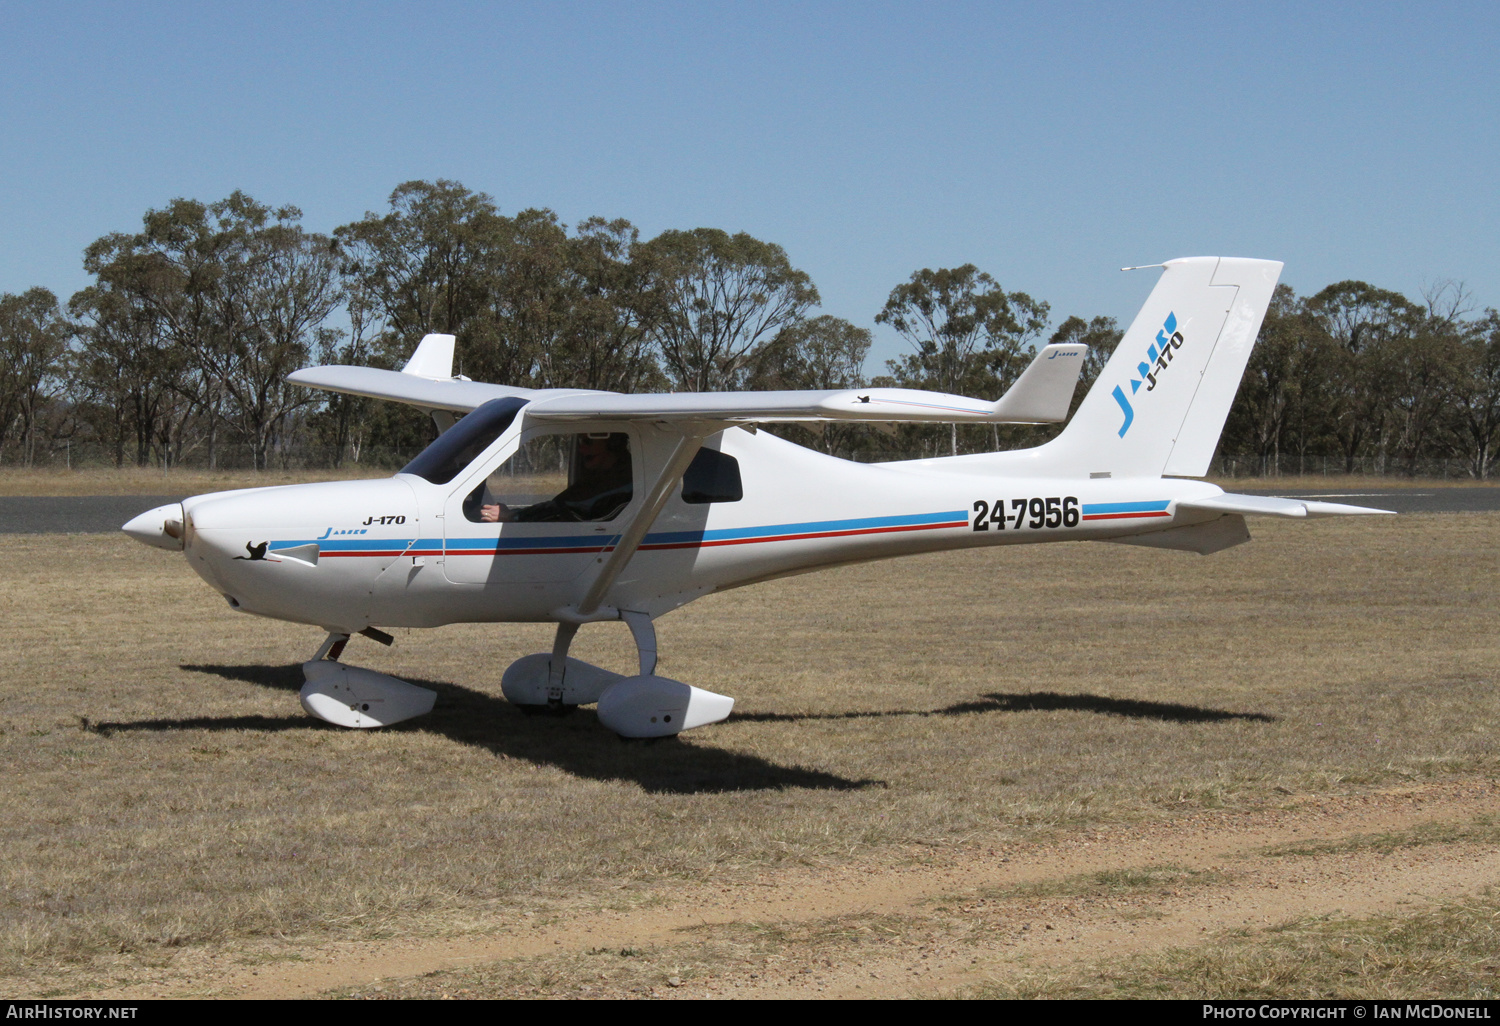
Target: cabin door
x=546 y=513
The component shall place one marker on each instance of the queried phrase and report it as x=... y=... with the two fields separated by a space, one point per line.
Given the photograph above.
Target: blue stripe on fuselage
x=597 y=542
x=811 y=527
x=1124 y=507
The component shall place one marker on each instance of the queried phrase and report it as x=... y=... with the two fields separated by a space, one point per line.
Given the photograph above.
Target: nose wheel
x=350 y=696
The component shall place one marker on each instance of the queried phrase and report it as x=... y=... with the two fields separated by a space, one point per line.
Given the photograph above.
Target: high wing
x=452 y=394
x=1041 y=395
x=427 y=381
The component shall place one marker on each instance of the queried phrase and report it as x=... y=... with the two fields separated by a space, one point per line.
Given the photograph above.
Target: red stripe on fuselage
x=331 y=555
x=1126 y=516
x=801 y=537
x=675 y=545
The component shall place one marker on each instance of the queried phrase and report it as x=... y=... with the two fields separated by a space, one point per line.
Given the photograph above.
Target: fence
x=1454 y=468
x=385 y=459
x=1427 y=468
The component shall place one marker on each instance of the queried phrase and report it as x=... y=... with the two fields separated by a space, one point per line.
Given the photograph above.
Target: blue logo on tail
x=1158 y=358
x=1124 y=405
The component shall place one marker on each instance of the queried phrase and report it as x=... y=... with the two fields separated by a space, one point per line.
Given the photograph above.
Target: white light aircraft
x=572 y=506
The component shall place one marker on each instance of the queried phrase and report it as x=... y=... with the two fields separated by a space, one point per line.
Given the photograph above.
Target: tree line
x=180 y=346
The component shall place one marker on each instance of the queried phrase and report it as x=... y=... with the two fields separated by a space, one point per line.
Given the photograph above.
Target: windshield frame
x=457 y=448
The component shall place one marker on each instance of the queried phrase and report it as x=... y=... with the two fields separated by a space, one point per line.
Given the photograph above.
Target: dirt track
x=962 y=939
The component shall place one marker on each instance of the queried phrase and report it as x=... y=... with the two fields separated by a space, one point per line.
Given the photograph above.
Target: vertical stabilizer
x=1160 y=403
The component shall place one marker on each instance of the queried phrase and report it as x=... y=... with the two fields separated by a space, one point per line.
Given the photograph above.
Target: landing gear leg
x=648 y=706
x=556 y=670
x=552 y=682
x=644 y=633
x=332 y=647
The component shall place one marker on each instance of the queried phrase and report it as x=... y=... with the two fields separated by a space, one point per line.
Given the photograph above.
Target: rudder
x=1160 y=403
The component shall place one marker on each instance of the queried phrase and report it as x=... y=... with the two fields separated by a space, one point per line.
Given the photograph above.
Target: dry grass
x=1449 y=951
x=1112 y=883
x=164 y=787
x=1481 y=830
x=719 y=958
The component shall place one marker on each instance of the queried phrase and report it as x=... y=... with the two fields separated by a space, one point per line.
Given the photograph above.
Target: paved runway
x=103 y=514
x=74 y=514
x=1402 y=500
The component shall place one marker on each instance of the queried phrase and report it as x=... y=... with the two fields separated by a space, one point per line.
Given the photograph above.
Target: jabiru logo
x=1158 y=358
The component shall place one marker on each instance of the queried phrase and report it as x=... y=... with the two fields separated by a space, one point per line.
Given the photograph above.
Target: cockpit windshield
x=457 y=447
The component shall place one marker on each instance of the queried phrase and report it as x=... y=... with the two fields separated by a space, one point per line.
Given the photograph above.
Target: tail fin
x=1160 y=403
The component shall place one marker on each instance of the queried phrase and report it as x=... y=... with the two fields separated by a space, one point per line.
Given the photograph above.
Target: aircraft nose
x=161 y=527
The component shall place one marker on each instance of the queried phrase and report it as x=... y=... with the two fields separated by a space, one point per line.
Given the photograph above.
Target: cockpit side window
x=713 y=476
x=558 y=477
x=461 y=444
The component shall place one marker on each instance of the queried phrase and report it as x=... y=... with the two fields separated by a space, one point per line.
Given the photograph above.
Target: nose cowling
x=160 y=527
x=384 y=508
x=308 y=553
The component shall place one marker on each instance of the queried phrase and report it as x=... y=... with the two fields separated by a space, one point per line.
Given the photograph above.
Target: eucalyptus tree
x=1270 y=394
x=562 y=310
x=618 y=298
x=241 y=290
x=33 y=338
x=823 y=353
x=1362 y=321
x=126 y=370
x=283 y=287
x=1101 y=335
x=726 y=298
x=1423 y=370
x=146 y=311
x=520 y=328
x=1475 y=423
x=422 y=263
x=969 y=335
x=341 y=423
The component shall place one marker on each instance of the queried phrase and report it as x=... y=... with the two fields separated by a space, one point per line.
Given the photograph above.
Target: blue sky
x=1050 y=144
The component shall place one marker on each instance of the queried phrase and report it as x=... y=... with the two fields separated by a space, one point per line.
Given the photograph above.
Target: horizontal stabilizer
x=1266 y=505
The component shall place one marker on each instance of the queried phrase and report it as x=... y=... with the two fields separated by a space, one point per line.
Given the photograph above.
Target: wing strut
x=677 y=464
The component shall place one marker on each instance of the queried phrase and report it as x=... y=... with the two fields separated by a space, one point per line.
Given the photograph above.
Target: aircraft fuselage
x=399 y=551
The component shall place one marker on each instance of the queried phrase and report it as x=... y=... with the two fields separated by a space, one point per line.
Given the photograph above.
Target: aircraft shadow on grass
x=1036 y=701
x=572 y=743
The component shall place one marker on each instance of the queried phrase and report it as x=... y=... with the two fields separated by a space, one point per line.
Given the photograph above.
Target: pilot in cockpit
x=602 y=486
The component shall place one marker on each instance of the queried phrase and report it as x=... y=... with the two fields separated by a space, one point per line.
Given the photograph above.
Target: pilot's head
x=602 y=451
